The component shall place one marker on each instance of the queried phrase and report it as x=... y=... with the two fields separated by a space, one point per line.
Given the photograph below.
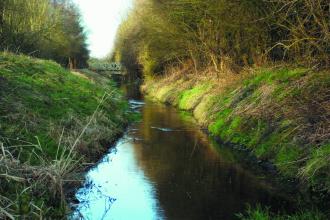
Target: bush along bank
x=52 y=122
x=282 y=114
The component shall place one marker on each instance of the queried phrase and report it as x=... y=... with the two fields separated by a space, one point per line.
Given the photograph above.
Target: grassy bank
x=282 y=114
x=264 y=214
x=52 y=121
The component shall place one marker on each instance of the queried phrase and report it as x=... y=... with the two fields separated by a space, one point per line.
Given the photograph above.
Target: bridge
x=108 y=68
x=113 y=67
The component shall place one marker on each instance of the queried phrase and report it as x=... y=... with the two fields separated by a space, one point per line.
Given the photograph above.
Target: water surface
x=165 y=167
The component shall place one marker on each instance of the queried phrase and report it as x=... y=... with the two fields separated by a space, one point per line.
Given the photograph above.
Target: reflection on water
x=166 y=168
x=131 y=196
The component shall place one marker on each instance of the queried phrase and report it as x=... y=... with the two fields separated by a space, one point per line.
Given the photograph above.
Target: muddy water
x=165 y=167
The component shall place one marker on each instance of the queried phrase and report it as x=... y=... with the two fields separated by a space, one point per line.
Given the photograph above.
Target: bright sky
x=101 y=19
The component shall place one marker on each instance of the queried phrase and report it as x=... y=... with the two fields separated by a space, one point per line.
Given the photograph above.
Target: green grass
x=218 y=126
x=280 y=114
x=272 y=126
x=39 y=96
x=259 y=213
x=51 y=121
x=192 y=97
x=317 y=167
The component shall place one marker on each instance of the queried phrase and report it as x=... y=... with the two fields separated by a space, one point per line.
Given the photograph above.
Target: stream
x=166 y=167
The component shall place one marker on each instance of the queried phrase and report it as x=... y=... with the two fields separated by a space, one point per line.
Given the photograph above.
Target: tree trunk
x=70 y=64
x=215 y=64
x=194 y=61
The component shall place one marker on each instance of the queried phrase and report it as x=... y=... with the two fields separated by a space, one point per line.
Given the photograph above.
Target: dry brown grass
x=186 y=74
x=281 y=112
x=314 y=109
x=307 y=104
x=50 y=176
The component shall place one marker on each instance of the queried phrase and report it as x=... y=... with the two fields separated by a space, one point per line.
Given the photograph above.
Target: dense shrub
x=43 y=28
x=224 y=34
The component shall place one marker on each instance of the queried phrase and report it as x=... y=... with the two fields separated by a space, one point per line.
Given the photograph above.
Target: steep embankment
x=281 y=114
x=51 y=122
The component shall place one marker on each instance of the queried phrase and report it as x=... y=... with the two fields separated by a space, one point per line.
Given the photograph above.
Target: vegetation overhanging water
x=165 y=167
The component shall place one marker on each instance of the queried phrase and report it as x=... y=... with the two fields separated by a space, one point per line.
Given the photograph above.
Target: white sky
x=101 y=19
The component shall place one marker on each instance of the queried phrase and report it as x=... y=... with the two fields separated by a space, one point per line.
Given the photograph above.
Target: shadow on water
x=165 y=167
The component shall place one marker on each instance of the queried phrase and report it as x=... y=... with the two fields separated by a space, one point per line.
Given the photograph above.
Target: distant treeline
x=47 y=29
x=224 y=34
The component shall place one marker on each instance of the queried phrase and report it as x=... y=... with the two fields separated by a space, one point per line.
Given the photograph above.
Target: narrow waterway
x=165 y=167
